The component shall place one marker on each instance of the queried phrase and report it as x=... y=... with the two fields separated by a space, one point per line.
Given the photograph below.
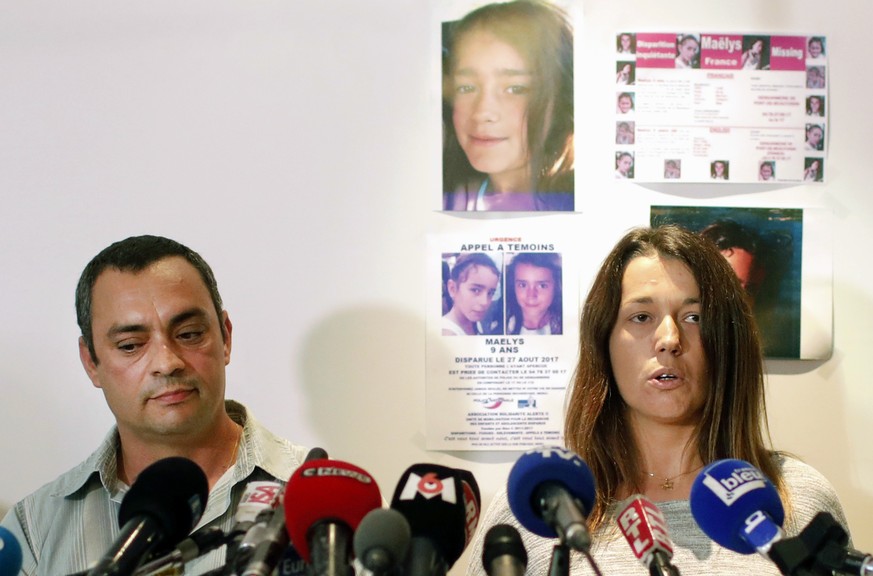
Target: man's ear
x=89 y=363
x=226 y=333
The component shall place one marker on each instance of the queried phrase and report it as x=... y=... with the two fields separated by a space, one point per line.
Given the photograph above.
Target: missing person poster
x=503 y=304
x=722 y=108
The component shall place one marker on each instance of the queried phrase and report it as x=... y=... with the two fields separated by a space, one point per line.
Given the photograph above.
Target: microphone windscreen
x=10 y=553
x=173 y=491
x=441 y=504
x=316 y=454
x=725 y=495
x=327 y=490
x=386 y=529
x=503 y=540
x=549 y=464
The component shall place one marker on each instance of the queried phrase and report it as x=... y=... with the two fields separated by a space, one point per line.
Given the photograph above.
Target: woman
x=533 y=294
x=687 y=48
x=812 y=173
x=752 y=57
x=669 y=379
x=815 y=106
x=508 y=88
x=625 y=104
x=718 y=170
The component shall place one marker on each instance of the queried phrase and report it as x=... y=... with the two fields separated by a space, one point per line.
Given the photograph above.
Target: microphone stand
x=560 y=564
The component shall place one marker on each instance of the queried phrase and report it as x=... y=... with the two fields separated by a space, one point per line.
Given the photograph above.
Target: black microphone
x=203 y=541
x=381 y=541
x=162 y=506
x=441 y=505
x=503 y=552
x=826 y=543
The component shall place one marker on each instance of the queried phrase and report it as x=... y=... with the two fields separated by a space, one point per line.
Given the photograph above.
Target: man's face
x=813 y=136
x=160 y=352
x=766 y=171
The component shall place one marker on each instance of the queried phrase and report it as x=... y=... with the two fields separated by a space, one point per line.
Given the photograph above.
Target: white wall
x=294 y=144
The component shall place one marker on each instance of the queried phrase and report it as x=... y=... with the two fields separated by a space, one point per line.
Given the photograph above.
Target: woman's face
x=688 y=50
x=655 y=346
x=766 y=171
x=815 y=105
x=624 y=163
x=758 y=47
x=472 y=296
x=534 y=290
x=719 y=168
x=492 y=85
x=625 y=42
x=625 y=104
x=815 y=49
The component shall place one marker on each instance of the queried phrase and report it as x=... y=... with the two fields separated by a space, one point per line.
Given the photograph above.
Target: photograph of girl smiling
x=508 y=109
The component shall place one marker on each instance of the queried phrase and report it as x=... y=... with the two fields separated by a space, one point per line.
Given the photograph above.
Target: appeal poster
x=721 y=108
x=503 y=304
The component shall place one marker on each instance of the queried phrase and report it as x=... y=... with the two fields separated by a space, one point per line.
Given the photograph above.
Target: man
x=156 y=340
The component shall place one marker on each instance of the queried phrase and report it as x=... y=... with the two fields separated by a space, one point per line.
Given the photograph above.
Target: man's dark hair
x=135 y=254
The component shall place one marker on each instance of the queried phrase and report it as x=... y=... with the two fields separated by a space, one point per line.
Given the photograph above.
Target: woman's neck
x=669 y=459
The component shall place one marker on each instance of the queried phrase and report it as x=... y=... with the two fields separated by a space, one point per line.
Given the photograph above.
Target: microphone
x=257 y=504
x=162 y=506
x=550 y=490
x=645 y=529
x=381 y=541
x=441 y=505
x=201 y=542
x=823 y=545
x=503 y=552
x=264 y=543
x=325 y=501
x=10 y=553
x=737 y=507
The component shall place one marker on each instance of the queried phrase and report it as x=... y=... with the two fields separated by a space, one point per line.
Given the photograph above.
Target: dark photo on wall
x=508 y=109
x=764 y=247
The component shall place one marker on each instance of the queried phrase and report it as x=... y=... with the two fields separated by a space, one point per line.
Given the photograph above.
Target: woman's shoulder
x=810 y=491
